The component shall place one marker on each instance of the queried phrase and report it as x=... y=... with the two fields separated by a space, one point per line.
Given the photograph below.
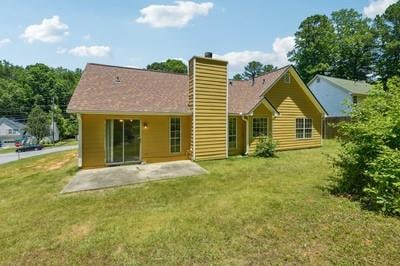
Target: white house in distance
x=10 y=131
x=336 y=94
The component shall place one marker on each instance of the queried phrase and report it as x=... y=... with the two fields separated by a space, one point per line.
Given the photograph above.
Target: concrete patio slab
x=130 y=174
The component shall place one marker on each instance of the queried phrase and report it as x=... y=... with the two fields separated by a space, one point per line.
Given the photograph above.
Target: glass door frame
x=123 y=146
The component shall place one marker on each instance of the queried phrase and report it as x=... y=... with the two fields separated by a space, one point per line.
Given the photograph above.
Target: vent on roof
x=263 y=81
x=230 y=83
x=117 y=79
x=318 y=80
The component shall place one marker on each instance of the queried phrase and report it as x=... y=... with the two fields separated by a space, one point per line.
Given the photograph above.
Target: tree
x=171 y=65
x=252 y=70
x=268 y=68
x=38 y=123
x=355 y=45
x=237 y=77
x=387 y=28
x=315 y=49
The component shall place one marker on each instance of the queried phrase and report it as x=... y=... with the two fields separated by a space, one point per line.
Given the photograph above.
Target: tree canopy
x=254 y=69
x=22 y=88
x=171 y=65
x=315 y=46
x=347 y=45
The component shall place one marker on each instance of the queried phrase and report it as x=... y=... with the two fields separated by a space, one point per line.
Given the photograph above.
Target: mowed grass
x=245 y=211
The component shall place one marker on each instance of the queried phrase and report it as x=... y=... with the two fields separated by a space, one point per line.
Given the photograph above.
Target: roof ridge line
x=140 y=69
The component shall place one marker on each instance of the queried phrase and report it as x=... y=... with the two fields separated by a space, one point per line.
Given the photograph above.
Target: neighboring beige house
x=129 y=115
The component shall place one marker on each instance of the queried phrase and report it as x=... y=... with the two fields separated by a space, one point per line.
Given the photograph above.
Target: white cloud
x=377 y=7
x=4 y=42
x=51 y=30
x=178 y=15
x=87 y=37
x=61 y=50
x=278 y=56
x=94 y=51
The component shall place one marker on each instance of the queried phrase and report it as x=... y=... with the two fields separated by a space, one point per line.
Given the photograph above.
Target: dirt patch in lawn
x=77 y=232
x=46 y=165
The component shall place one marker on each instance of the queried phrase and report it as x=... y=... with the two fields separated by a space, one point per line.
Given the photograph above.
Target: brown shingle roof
x=137 y=91
x=141 y=90
x=243 y=95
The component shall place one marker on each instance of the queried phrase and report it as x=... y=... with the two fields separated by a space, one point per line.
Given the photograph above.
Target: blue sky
x=136 y=33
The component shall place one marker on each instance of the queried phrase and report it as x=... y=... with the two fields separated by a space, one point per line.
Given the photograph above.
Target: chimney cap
x=208 y=54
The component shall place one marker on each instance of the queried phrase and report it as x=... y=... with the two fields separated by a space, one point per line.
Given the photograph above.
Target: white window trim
x=180 y=135
x=236 y=131
x=252 y=127
x=304 y=128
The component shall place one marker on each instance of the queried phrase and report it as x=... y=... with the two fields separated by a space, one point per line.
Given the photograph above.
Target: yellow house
x=129 y=115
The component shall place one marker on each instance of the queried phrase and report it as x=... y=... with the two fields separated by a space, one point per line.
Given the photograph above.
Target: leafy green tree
x=387 y=28
x=368 y=164
x=237 y=77
x=315 y=49
x=355 y=45
x=252 y=70
x=23 y=88
x=38 y=123
x=171 y=65
x=268 y=68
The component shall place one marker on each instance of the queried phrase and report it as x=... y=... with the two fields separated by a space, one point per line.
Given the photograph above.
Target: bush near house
x=369 y=162
x=265 y=147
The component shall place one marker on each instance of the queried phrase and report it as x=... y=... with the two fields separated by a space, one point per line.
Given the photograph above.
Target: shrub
x=383 y=192
x=265 y=147
x=369 y=159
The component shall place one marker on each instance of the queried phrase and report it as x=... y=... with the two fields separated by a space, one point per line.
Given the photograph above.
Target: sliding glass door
x=122 y=141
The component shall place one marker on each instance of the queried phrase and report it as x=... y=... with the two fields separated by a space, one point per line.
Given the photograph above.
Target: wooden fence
x=329 y=129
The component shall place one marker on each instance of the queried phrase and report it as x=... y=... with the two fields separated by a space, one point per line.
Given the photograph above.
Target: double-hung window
x=260 y=126
x=175 y=135
x=232 y=133
x=303 y=128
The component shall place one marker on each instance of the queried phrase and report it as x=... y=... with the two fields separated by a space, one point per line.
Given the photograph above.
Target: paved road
x=9 y=157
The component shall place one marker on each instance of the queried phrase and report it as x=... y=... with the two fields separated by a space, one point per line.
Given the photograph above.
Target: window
x=260 y=126
x=10 y=132
x=303 y=128
x=286 y=78
x=232 y=132
x=175 y=135
x=355 y=100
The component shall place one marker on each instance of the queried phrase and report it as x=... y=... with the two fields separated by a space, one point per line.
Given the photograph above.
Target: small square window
x=303 y=128
x=260 y=126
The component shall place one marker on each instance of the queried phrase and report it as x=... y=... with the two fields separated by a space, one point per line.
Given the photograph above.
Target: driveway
x=131 y=174
x=10 y=157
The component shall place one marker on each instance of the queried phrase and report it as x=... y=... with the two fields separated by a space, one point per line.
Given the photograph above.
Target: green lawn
x=246 y=211
x=64 y=142
x=7 y=150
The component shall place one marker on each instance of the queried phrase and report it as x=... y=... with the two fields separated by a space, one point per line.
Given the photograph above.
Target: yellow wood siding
x=260 y=111
x=208 y=80
x=154 y=139
x=292 y=102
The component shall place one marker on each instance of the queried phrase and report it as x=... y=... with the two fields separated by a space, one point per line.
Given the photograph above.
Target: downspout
x=246 y=120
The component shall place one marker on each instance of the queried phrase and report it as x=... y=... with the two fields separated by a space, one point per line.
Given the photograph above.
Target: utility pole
x=52 y=119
